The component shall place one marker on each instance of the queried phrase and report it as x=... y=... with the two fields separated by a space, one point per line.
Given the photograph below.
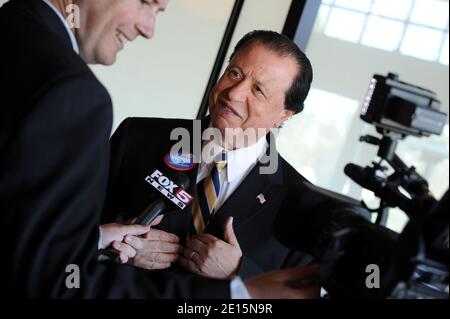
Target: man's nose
x=147 y=26
x=238 y=92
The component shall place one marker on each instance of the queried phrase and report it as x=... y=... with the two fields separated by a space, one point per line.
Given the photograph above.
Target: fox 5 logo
x=168 y=188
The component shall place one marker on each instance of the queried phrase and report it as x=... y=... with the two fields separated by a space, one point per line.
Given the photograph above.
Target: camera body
x=401 y=107
x=362 y=259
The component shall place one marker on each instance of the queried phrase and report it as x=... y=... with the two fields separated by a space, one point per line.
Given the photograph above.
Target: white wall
x=259 y=15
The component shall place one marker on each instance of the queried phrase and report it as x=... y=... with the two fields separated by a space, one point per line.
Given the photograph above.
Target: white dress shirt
x=69 y=32
x=239 y=164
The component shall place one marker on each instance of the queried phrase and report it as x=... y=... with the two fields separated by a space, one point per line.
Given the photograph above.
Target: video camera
x=363 y=259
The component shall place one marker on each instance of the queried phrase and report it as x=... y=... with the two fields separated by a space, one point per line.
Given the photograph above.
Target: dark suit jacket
x=138 y=147
x=55 y=121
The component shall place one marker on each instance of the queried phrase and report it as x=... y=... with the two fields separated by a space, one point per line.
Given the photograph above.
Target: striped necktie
x=208 y=191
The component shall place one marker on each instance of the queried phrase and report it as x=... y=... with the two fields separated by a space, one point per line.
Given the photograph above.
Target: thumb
x=157 y=220
x=135 y=229
x=228 y=232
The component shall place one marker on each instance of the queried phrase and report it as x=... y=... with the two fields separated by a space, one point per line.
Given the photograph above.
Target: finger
x=155 y=265
x=190 y=265
x=157 y=220
x=148 y=264
x=195 y=257
x=198 y=246
x=165 y=247
x=123 y=258
x=134 y=229
x=156 y=234
x=188 y=253
x=124 y=249
x=134 y=241
x=163 y=257
x=228 y=231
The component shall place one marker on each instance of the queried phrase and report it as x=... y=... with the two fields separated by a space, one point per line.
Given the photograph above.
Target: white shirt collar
x=71 y=35
x=240 y=160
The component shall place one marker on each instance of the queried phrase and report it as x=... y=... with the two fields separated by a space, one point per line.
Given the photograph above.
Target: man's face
x=251 y=92
x=106 y=26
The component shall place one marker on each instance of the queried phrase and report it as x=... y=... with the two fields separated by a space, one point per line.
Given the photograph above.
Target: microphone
x=155 y=208
x=175 y=191
x=365 y=177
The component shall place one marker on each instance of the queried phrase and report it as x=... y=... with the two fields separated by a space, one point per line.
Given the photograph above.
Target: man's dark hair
x=297 y=93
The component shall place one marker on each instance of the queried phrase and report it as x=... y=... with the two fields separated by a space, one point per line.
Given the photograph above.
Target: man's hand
x=209 y=256
x=116 y=232
x=289 y=283
x=113 y=234
x=156 y=249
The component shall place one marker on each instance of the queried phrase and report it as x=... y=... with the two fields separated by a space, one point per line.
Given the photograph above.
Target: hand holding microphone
x=112 y=236
x=153 y=249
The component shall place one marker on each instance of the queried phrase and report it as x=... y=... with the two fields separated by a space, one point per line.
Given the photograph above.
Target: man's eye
x=145 y=2
x=259 y=91
x=234 y=73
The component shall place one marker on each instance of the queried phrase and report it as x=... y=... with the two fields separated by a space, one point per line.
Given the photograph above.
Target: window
x=352 y=41
x=416 y=28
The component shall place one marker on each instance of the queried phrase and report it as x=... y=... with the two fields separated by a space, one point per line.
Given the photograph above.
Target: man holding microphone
x=55 y=122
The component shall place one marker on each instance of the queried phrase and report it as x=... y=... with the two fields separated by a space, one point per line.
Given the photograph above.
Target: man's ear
x=284 y=115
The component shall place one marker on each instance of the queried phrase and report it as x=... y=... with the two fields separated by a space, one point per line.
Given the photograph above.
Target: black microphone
x=155 y=208
x=364 y=176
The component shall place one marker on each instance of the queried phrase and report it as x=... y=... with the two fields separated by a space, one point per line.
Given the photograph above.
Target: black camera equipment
x=361 y=259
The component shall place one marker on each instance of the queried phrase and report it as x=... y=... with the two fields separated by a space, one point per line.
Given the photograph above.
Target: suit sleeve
x=114 y=205
x=52 y=188
x=249 y=268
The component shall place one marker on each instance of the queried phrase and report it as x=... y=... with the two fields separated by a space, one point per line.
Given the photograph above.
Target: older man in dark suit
x=229 y=223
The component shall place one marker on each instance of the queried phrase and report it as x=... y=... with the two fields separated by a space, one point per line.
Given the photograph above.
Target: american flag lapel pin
x=261 y=198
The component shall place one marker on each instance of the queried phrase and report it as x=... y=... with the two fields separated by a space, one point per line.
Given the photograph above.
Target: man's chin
x=220 y=123
x=110 y=60
x=105 y=59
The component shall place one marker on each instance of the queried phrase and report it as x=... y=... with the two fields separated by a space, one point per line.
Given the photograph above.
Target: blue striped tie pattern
x=208 y=191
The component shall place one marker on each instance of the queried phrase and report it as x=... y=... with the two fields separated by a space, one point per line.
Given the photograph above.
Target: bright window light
x=421 y=42
x=333 y=108
x=433 y=13
x=382 y=33
x=327 y=1
x=345 y=25
x=322 y=18
x=444 y=53
x=398 y=9
x=360 y=5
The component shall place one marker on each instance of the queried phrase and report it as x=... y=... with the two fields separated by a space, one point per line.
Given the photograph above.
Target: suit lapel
x=255 y=193
x=180 y=221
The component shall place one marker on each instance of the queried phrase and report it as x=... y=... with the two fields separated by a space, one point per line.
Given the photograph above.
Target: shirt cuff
x=238 y=289
x=99 y=244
